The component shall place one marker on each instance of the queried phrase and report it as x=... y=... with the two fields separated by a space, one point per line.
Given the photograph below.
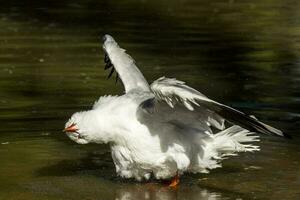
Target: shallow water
x=241 y=53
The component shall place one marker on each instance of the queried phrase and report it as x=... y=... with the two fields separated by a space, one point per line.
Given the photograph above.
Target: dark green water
x=242 y=53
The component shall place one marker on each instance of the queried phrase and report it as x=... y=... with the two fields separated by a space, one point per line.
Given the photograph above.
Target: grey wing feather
x=153 y=113
x=173 y=92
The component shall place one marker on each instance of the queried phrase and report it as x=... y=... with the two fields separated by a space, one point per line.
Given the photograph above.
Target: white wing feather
x=173 y=91
x=125 y=66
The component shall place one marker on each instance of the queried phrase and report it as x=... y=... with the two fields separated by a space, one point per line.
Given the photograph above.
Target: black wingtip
x=107 y=66
x=106 y=58
x=111 y=72
x=248 y=122
x=117 y=78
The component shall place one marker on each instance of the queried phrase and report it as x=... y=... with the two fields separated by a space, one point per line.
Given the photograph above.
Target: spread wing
x=172 y=92
x=117 y=59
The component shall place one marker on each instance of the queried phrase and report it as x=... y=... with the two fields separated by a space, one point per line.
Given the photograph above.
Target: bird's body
x=164 y=129
x=141 y=152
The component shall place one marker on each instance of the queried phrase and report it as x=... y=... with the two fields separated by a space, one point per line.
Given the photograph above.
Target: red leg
x=174 y=181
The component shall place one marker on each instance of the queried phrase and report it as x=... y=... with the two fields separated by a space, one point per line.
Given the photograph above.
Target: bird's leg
x=174 y=181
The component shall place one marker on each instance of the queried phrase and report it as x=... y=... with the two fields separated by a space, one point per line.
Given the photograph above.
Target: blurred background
x=244 y=53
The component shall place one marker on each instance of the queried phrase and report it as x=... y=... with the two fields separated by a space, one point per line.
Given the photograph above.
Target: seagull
x=165 y=129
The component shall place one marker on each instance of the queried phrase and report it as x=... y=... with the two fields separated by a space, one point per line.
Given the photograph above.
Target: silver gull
x=164 y=129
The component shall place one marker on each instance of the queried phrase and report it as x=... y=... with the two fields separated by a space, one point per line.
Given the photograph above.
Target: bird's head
x=78 y=128
x=88 y=127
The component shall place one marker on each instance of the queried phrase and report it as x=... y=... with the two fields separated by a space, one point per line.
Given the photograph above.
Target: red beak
x=71 y=128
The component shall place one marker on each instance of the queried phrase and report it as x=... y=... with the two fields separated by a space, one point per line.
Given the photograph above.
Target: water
x=241 y=53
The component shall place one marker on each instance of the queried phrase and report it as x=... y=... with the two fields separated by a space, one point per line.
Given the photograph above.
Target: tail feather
x=233 y=140
x=224 y=144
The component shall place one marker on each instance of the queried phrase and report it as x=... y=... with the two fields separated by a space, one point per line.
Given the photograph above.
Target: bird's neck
x=98 y=127
x=113 y=119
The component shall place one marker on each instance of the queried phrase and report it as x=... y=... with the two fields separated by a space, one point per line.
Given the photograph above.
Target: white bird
x=164 y=129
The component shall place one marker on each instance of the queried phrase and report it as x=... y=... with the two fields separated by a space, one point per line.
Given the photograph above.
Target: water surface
x=241 y=53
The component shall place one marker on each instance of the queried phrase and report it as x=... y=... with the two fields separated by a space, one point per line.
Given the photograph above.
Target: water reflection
x=159 y=192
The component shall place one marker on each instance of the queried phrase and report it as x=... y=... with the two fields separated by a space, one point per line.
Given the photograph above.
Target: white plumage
x=164 y=129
